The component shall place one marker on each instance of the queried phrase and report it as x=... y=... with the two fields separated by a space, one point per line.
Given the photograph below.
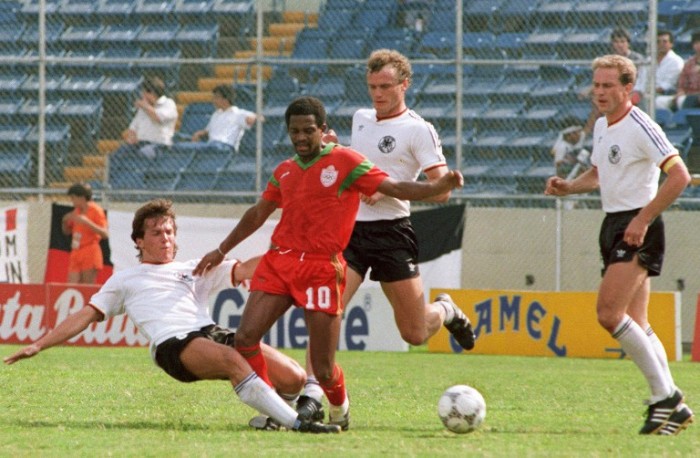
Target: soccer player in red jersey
x=319 y=192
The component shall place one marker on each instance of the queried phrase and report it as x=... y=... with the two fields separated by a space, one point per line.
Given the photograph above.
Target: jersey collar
x=324 y=152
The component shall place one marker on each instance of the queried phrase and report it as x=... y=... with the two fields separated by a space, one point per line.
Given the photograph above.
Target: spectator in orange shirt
x=87 y=225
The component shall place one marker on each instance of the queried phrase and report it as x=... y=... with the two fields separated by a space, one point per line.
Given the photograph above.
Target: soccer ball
x=461 y=409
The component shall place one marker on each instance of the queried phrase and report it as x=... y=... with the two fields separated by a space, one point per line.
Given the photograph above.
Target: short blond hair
x=625 y=66
x=383 y=57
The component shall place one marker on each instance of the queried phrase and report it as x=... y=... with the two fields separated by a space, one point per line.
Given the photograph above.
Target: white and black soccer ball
x=462 y=409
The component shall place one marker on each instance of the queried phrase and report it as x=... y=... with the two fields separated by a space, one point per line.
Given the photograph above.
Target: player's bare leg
x=416 y=320
x=324 y=332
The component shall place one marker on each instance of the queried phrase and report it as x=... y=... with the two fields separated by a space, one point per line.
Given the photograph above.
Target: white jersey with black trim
x=403 y=146
x=629 y=154
x=163 y=300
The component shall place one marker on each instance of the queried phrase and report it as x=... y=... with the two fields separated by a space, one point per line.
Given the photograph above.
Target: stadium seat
x=371 y=18
x=195 y=117
x=209 y=158
x=12 y=82
x=30 y=8
x=171 y=159
x=501 y=115
x=393 y=38
x=280 y=89
x=198 y=40
x=347 y=48
x=119 y=35
x=9 y=106
x=168 y=71
x=115 y=8
x=630 y=12
x=335 y=20
x=480 y=45
x=556 y=81
x=15 y=168
x=57 y=139
x=556 y=15
x=510 y=44
x=671 y=15
x=13 y=133
x=83 y=9
x=330 y=90
x=190 y=180
x=123 y=66
x=518 y=17
x=439 y=44
x=83 y=115
x=543 y=43
x=80 y=35
x=193 y=10
x=146 y=9
x=584 y=43
x=156 y=36
x=479 y=14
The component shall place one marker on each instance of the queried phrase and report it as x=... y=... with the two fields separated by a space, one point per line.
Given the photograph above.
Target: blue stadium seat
x=169 y=72
x=480 y=14
x=209 y=158
x=190 y=180
x=308 y=47
x=119 y=35
x=329 y=89
x=124 y=67
x=541 y=116
x=442 y=21
x=156 y=36
x=54 y=28
x=87 y=85
x=480 y=45
x=347 y=48
x=393 y=38
x=555 y=15
x=629 y=12
x=671 y=15
x=556 y=81
x=195 y=117
x=9 y=106
x=11 y=29
x=510 y=44
x=83 y=115
x=198 y=40
x=81 y=62
x=80 y=35
x=153 y=8
x=115 y=8
x=30 y=8
x=193 y=10
x=335 y=20
x=84 y=9
x=13 y=134
x=543 y=43
x=238 y=177
x=56 y=138
x=440 y=44
x=171 y=159
x=12 y=81
x=516 y=17
x=374 y=18
x=15 y=168
x=235 y=17
x=280 y=89
x=584 y=43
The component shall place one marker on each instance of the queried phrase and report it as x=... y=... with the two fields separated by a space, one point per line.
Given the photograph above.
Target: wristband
x=220 y=252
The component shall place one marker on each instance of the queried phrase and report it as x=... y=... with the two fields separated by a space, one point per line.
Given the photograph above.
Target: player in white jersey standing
x=169 y=306
x=403 y=144
x=629 y=151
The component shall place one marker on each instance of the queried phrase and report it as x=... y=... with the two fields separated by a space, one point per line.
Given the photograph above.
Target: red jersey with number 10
x=320 y=199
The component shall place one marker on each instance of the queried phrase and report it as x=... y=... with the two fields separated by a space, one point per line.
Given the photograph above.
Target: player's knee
x=608 y=319
x=414 y=336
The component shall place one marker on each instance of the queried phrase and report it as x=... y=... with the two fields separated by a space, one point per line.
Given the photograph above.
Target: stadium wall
x=511 y=248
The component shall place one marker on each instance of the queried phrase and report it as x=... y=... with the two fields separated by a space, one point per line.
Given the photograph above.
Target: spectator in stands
x=620 y=41
x=87 y=225
x=570 y=157
x=688 y=91
x=668 y=70
x=154 y=122
x=228 y=123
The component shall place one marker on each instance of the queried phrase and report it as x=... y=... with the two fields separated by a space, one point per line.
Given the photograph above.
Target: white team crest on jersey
x=329 y=175
x=183 y=276
x=387 y=144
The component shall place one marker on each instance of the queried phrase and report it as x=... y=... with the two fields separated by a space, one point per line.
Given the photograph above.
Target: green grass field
x=115 y=402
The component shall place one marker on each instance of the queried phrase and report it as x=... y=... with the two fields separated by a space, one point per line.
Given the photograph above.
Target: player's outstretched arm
x=70 y=327
x=419 y=190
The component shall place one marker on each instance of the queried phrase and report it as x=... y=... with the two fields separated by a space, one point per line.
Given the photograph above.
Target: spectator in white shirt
x=154 y=122
x=669 y=67
x=228 y=123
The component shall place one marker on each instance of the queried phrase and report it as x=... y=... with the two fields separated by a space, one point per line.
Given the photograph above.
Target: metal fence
x=498 y=93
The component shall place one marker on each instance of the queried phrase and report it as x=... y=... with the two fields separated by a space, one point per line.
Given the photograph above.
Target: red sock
x=335 y=387
x=255 y=358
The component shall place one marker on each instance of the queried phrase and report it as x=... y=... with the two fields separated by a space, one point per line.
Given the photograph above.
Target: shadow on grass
x=132 y=425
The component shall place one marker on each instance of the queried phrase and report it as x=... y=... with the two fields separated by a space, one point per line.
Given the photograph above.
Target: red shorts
x=86 y=258
x=314 y=281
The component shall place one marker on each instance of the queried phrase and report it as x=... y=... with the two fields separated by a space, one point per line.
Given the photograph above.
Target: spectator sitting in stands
x=688 y=93
x=669 y=66
x=154 y=122
x=620 y=41
x=570 y=158
x=228 y=123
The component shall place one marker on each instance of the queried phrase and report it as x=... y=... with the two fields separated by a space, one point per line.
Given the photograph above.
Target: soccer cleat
x=343 y=421
x=679 y=420
x=460 y=327
x=264 y=423
x=309 y=409
x=314 y=427
x=659 y=413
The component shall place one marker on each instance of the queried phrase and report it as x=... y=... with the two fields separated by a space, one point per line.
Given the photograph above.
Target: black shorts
x=168 y=351
x=614 y=249
x=388 y=247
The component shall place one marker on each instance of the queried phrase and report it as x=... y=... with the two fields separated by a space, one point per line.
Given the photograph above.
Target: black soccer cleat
x=314 y=427
x=679 y=420
x=659 y=413
x=460 y=327
x=309 y=409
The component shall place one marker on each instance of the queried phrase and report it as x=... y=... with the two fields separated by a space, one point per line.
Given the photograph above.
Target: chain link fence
x=498 y=94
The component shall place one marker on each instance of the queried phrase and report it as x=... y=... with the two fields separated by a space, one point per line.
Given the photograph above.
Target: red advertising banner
x=27 y=312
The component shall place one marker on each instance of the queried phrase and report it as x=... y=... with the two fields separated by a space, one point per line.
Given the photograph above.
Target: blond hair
x=625 y=66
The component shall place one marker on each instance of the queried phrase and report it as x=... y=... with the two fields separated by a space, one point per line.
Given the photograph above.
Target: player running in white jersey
x=629 y=151
x=383 y=242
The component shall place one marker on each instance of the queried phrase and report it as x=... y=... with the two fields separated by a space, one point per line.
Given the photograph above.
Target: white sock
x=636 y=344
x=335 y=412
x=290 y=399
x=253 y=391
x=660 y=354
x=313 y=389
x=449 y=311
